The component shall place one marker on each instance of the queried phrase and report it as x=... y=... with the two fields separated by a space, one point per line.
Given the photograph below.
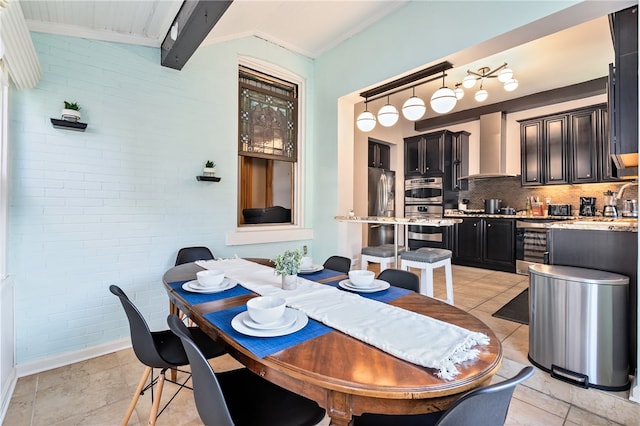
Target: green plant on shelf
x=71 y=105
x=210 y=164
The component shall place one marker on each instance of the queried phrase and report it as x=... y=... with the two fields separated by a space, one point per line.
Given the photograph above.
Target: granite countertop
x=400 y=220
x=453 y=213
x=599 y=224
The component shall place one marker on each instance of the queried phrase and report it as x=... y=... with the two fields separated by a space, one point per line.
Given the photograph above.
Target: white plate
x=238 y=325
x=194 y=287
x=378 y=285
x=286 y=320
x=314 y=268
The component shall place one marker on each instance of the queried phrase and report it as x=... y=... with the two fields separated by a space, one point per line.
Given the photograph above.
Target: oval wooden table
x=346 y=376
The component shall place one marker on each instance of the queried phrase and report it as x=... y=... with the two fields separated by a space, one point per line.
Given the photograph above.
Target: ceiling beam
x=408 y=79
x=191 y=26
x=554 y=96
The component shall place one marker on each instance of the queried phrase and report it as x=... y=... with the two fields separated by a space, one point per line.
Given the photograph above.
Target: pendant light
x=413 y=108
x=459 y=92
x=505 y=74
x=511 y=85
x=444 y=99
x=469 y=81
x=388 y=115
x=481 y=95
x=366 y=121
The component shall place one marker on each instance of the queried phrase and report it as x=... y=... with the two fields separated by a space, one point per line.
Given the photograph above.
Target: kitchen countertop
x=399 y=220
x=453 y=213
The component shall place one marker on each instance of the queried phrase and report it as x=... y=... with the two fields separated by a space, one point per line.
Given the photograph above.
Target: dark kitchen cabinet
x=623 y=84
x=424 y=155
x=570 y=147
x=459 y=161
x=379 y=155
x=485 y=243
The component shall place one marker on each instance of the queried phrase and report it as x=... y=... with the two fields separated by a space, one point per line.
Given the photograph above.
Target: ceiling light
x=469 y=81
x=481 y=95
x=505 y=75
x=388 y=115
x=444 y=99
x=511 y=85
x=413 y=108
x=458 y=92
x=366 y=121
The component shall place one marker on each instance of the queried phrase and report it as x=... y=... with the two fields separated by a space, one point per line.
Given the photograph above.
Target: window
x=267 y=148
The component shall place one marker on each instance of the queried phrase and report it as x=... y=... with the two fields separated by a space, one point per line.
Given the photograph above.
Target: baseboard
x=7 y=392
x=33 y=367
x=634 y=392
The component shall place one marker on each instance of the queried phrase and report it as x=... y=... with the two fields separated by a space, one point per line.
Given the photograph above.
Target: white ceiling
x=312 y=27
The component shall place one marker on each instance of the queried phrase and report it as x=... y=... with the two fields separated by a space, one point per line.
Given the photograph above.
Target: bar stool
x=427 y=259
x=383 y=254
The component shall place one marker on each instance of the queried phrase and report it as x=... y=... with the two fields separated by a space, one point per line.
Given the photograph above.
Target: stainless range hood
x=626 y=165
x=493 y=162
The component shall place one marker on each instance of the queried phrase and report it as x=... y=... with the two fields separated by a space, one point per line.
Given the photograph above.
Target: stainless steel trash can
x=578 y=321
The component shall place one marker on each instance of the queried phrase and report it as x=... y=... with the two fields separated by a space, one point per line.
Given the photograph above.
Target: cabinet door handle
x=475 y=224
x=488 y=225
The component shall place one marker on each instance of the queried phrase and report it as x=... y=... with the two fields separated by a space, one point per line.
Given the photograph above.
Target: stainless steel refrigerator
x=381 y=202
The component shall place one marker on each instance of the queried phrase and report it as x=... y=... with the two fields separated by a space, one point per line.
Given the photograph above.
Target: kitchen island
x=395 y=221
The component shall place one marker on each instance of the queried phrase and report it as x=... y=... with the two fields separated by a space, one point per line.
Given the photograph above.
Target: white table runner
x=407 y=335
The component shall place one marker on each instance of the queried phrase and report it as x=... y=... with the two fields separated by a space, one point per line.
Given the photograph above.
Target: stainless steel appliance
x=630 y=208
x=423 y=190
x=531 y=244
x=587 y=206
x=578 y=325
x=559 y=209
x=610 y=209
x=381 y=202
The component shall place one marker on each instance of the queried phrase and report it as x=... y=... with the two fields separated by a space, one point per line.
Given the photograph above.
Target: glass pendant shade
x=511 y=85
x=443 y=100
x=469 y=81
x=459 y=93
x=505 y=75
x=388 y=115
x=413 y=108
x=481 y=95
x=366 y=121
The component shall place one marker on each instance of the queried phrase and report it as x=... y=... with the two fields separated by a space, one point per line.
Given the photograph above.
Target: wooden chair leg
x=134 y=400
x=156 y=400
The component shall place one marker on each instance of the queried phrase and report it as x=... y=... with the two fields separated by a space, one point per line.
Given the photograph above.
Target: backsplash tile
x=513 y=194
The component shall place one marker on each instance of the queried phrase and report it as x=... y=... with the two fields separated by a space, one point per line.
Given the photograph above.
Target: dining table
x=343 y=374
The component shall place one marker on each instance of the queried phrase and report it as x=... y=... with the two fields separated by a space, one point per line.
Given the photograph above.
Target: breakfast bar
x=396 y=221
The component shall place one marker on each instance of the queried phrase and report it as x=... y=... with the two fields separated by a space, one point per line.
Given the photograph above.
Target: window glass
x=267 y=148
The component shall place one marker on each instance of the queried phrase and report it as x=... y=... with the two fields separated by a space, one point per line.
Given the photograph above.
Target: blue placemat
x=384 y=296
x=320 y=275
x=195 y=298
x=264 y=346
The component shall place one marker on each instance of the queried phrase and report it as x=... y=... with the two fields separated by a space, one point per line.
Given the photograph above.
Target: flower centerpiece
x=288 y=266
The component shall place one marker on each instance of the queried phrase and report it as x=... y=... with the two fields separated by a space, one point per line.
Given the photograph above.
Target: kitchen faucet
x=623 y=187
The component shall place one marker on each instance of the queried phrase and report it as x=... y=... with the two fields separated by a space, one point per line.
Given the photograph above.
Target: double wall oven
x=423 y=199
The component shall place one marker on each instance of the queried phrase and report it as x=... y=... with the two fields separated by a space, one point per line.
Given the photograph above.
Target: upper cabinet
x=570 y=147
x=379 y=155
x=623 y=92
x=459 y=161
x=424 y=155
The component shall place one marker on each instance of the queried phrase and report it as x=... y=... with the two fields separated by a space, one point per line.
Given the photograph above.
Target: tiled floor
x=98 y=391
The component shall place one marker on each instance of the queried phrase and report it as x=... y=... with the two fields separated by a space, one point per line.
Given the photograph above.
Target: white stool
x=427 y=259
x=383 y=254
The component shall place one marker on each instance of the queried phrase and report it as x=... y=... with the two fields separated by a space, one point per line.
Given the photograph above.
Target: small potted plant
x=71 y=111
x=288 y=266
x=209 y=168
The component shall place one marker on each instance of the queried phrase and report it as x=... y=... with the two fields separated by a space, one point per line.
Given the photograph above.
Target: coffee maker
x=610 y=209
x=587 y=206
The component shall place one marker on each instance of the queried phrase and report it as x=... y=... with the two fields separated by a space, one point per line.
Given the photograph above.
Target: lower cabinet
x=485 y=243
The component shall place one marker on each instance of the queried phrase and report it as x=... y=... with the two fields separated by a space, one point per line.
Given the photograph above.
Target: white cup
x=306 y=263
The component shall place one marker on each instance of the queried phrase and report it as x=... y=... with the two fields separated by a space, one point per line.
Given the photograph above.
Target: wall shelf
x=208 y=178
x=68 y=125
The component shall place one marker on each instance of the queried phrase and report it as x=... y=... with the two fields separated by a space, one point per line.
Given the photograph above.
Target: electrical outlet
x=304 y=250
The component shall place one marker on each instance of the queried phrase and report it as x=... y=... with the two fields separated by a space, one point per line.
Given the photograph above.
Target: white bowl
x=306 y=262
x=266 y=309
x=361 y=278
x=210 y=278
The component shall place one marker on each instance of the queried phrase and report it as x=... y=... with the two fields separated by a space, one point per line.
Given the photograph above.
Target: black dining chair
x=338 y=263
x=161 y=350
x=487 y=406
x=241 y=397
x=400 y=278
x=191 y=254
